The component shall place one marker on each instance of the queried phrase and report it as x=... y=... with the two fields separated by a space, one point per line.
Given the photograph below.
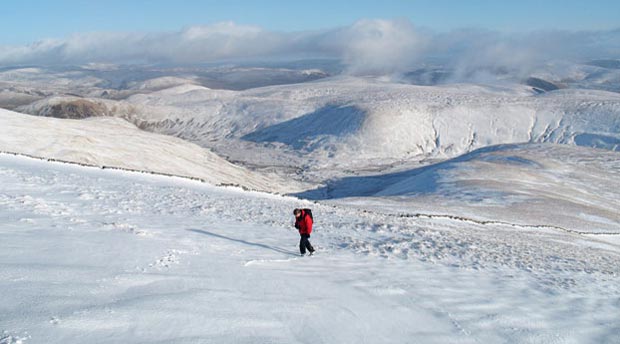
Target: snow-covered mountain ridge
x=328 y=127
x=355 y=124
x=346 y=126
x=114 y=142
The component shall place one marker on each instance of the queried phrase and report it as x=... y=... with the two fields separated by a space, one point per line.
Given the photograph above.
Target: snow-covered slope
x=100 y=256
x=356 y=124
x=113 y=142
x=597 y=74
x=160 y=83
x=509 y=183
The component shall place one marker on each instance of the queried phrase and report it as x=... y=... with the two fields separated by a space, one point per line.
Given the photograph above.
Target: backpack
x=309 y=212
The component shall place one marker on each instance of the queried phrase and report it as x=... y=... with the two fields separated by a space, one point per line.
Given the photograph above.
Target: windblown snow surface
x=454 y=213
x=91 y=255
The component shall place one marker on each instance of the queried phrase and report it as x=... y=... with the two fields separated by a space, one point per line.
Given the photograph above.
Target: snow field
x=104 y=256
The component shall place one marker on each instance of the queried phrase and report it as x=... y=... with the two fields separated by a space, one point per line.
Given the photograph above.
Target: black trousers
x=304 y=244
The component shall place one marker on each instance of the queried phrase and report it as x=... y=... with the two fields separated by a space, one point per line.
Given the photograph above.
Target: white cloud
x=195 y=44
x=378 y=46
x=366 y=47
x=472 y=52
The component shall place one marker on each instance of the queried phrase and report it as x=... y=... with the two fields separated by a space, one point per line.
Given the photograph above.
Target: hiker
x=303 y=222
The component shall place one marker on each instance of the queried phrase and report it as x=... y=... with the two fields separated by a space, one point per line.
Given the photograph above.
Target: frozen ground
x=101 y=256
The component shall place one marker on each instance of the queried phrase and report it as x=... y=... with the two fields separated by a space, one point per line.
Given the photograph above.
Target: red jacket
x=304 y=223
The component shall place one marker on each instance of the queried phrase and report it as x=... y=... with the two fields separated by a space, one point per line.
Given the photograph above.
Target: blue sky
x=27 y=21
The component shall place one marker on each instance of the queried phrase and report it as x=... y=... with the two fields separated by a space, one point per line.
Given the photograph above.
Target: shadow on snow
x=303 y=131
x=220 y=236
x=418 y=181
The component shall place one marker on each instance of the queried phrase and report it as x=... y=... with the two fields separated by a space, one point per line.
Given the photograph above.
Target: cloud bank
x=373 y=46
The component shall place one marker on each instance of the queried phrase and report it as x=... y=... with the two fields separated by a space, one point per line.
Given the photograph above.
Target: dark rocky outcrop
x=74 y=109
x=542 y=85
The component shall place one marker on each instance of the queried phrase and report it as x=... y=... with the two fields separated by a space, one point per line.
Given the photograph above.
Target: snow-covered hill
x=23 y=85
x=358 y=124
x=113 y=142
x=334 y=126
x=344 y=126
x=99 y=256
x=509 y=183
